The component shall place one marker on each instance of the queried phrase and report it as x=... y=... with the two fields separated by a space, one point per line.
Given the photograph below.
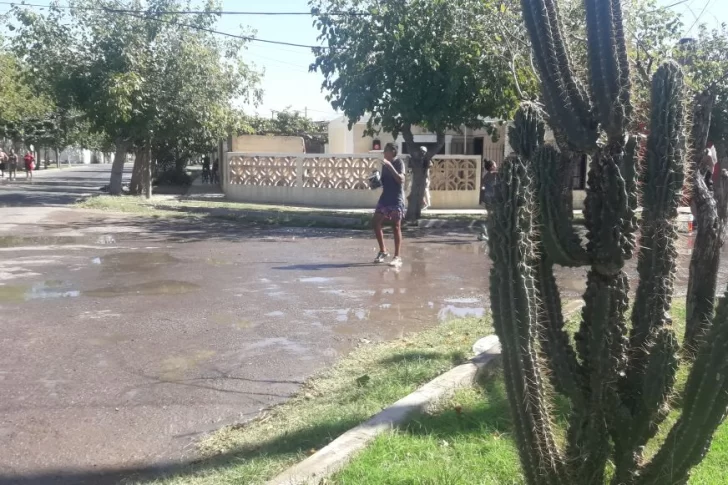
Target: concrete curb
x=256 y=215
x=339 y=452
x=449 y=224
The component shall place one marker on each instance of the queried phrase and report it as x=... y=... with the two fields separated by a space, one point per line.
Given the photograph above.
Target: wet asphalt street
x=55 y=187
x=125 y=340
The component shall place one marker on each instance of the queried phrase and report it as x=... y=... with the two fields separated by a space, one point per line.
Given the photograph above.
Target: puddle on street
x=448 y=312
x=41 y=240
x=286 y=345
x=174 y=368
x=134 y=262
x=45 y=290
x=151 y=288
x=317 y=279
x=21 y=241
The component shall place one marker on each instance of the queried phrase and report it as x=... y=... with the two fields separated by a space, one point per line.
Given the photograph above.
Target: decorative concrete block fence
x=340 y=181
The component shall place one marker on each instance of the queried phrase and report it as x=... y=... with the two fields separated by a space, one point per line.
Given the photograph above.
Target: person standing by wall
x=12 y=165
x=391 y=205
x=426 y=201
x=487 y=191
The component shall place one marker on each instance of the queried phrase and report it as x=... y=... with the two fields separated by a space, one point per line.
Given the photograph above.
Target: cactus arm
x=566 y=100
x=606 y=208
x=601 y=345
x=528 y=130
x=564 y=369
x=561 y=242
x=663 y=178
x=704 y=409
x=608 y=65
x=704 y=263
x=515 y=318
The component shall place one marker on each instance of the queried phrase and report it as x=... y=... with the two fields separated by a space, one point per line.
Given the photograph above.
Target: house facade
x=343 y=140
x=467 y=142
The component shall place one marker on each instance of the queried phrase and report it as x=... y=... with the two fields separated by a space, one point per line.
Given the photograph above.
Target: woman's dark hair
x=488 y=165
x=391 y=147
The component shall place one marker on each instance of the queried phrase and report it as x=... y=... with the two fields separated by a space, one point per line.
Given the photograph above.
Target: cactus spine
x=618 y=380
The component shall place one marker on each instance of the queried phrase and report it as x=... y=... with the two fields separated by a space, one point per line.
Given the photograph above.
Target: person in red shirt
x=29 y=159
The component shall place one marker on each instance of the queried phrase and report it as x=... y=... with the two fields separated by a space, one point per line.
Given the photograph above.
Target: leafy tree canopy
x=439 y=64
x=149 y=78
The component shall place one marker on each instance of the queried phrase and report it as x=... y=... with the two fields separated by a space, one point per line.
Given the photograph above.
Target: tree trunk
x=703 y=279
x=58 y=158
x=135 y=186
x=117 y=169
x=147 y=171
x=419 y=173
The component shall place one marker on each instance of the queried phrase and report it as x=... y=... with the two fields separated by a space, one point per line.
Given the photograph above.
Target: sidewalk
x=211 y=197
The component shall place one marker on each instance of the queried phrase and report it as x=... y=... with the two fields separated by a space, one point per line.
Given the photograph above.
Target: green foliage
x=619 y=386
x=156 y=77
x=657 y=36
x=286 y=123
x=19 y=100
x=437 y=64
x=433 y=63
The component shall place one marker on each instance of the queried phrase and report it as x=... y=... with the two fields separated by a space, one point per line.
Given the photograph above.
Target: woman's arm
x=398 y=176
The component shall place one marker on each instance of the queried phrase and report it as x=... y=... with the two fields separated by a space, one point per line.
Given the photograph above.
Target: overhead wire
x=191 y=12
x=154 y=16
x=697 y=19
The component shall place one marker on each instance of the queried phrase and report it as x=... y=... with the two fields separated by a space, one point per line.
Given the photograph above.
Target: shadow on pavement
x=294 y=446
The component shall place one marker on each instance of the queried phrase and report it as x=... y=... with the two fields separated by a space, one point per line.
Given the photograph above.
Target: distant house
x=467 y=142
x=343 y=140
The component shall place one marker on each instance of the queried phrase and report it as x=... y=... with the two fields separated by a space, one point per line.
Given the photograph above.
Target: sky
x=286 y=81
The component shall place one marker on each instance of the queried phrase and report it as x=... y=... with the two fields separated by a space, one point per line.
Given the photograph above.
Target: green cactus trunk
x=618 y=380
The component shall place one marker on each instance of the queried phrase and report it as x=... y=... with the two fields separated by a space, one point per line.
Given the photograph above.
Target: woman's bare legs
x=397 y=237
x=377 y=222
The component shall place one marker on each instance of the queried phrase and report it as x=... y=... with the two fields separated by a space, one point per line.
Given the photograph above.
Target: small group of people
x=9 y=163
x=210 y=175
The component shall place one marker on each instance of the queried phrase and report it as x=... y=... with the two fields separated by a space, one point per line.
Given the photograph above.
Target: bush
x=173 y=177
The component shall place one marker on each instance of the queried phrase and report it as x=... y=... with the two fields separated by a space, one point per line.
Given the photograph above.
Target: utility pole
x=305 y=112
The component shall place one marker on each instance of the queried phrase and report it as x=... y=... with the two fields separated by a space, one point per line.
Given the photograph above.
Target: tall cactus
x=618 y=378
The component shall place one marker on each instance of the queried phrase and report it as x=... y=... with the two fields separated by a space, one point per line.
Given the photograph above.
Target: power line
x=188 y=12
x=665 y=7
x=697 y=19
x=130 y=13
x=226 y=34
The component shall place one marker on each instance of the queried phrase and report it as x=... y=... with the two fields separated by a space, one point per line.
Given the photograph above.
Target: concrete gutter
x=339 y=452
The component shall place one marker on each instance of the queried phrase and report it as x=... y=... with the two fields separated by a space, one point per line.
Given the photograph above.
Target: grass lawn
x=166 y=206
x=371 y=378
x=467 y=441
